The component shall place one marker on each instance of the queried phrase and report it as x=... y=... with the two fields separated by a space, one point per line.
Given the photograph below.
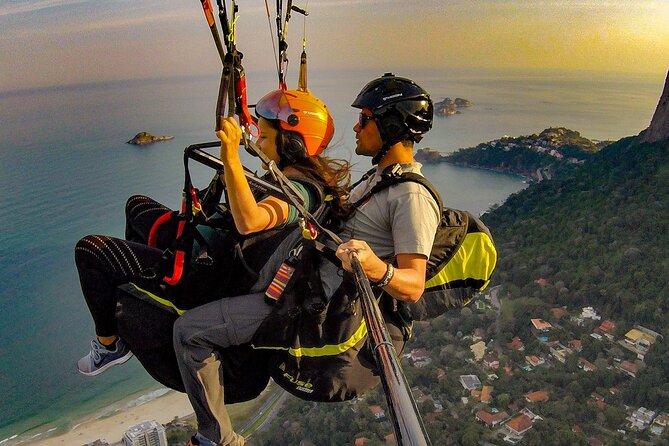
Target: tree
x=615 y=417
x=471 y=435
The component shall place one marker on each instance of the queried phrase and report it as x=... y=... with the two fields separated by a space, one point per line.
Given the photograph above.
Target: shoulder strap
x=394 y=177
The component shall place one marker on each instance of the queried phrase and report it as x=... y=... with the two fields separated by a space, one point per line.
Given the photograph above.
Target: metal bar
x=408 y=425
x=196 y=153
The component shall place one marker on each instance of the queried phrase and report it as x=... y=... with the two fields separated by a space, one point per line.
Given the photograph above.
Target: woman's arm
x=249 y=216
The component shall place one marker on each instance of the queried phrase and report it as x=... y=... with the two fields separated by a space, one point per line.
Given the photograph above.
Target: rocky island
x=533 y=156
x=147 y=138
x=449 y=106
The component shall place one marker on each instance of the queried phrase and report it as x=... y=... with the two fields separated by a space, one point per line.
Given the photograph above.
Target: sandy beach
x=162 y=409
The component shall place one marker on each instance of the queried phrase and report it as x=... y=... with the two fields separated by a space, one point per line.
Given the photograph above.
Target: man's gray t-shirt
x=401 y=219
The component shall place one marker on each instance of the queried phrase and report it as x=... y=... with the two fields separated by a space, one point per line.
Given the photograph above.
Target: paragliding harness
x=149 y=305
x=462 y=258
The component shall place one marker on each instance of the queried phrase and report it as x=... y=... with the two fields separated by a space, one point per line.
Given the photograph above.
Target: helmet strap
x=376 y=159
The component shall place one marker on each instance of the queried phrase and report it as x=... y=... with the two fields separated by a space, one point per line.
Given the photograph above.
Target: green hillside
x=598 y=234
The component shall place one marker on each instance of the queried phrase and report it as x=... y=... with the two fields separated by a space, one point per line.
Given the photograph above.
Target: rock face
x=659 y=125
x=449 y=106
x=147 y=138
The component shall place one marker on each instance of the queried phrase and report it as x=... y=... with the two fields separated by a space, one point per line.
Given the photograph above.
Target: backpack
x=462 y=258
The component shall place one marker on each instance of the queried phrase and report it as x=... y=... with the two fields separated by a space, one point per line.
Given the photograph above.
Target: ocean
x=65 y=171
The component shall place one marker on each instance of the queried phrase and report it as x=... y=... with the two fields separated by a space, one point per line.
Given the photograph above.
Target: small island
x=533 y=156
x=147 y=138
x=449 y=106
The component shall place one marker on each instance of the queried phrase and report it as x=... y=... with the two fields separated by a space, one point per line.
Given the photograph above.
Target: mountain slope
x=598 y=234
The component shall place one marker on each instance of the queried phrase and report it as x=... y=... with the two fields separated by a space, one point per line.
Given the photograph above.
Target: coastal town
x=537 y=156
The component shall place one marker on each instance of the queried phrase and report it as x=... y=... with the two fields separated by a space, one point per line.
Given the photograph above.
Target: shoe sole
x=96 y=372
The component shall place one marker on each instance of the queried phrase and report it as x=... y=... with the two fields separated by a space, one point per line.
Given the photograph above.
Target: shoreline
x=111 y=423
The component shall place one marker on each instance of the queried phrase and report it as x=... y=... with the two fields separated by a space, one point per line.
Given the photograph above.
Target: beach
x=162 y=409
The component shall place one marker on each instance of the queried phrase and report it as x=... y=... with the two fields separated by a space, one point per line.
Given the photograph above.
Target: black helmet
x=402 y=109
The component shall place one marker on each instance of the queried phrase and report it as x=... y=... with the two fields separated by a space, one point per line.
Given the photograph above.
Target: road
x=265 y=413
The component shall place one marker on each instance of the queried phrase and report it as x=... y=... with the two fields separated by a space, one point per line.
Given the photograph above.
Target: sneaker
x=199 y=440
x=100 y=359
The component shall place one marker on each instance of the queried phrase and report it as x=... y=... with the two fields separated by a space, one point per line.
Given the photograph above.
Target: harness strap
x=153 y=233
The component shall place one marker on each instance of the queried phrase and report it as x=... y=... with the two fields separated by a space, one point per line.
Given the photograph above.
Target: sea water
x=65 y=171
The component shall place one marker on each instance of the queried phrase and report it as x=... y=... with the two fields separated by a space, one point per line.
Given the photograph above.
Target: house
x=541 y=325
x=478 y=350
x=606 y=329
x=537 y=396
x=516 y=344
x=419 y=354
x=534 y=361
x=575 y=344
x=541 y=282
x=390 y=440
x=641 y=418
x=518 y=425
x=470 y=382
x=378 y=412
x=361 y=441
x=660 y=423
x=627 y=368
x=560 y=352
x=420 y=357
x=586 y=365
x=589 y=313
x=491 y=419
x=490 y=361
x=640 y=339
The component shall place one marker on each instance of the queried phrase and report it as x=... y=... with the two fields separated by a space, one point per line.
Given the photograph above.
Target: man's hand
x=372 y=265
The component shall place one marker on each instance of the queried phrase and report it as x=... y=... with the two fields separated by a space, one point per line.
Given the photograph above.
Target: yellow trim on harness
x=159 y=299
x=476 y=245
x=326 y=350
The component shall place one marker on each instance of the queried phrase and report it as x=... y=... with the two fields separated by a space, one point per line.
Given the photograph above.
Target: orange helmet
x=300 y=112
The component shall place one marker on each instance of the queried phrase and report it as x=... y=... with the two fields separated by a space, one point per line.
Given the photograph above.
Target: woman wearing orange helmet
x=295 y=127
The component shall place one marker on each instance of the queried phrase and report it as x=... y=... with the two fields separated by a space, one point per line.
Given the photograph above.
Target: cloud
x=12 y=7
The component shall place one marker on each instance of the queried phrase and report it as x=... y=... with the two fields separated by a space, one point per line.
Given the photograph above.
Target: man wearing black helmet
x=392 y=232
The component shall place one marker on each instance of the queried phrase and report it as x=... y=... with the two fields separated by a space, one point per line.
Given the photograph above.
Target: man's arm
x=408 y=281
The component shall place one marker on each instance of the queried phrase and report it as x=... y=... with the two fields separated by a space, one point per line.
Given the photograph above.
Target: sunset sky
x=58 y=42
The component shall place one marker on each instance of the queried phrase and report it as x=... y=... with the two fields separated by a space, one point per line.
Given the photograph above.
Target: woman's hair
x=334 y=174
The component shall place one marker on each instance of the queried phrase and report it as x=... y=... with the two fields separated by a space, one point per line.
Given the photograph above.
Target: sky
x=47 y=43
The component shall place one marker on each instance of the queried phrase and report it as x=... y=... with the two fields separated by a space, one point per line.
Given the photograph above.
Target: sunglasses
x=364 y=119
